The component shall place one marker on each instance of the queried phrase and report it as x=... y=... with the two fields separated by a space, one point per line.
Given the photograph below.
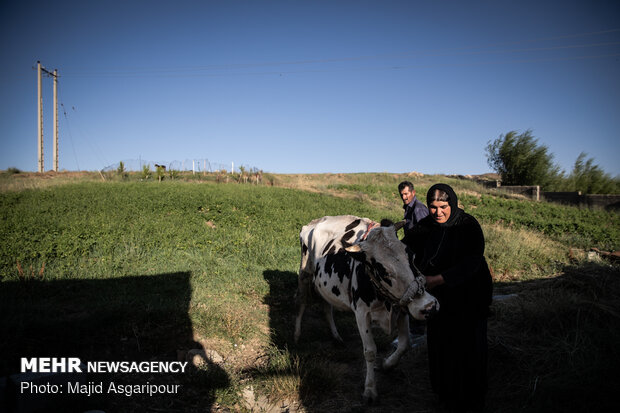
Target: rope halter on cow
x=371 y=225
x=416 y=288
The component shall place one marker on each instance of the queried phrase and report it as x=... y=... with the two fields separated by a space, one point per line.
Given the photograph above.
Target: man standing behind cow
x=414 y=212
x=414 y=209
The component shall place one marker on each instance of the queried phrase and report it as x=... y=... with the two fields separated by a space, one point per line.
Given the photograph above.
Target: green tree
x=146 y=171
x=590 y=178
x=121 y=171
x=520 y=160
x=160 y=171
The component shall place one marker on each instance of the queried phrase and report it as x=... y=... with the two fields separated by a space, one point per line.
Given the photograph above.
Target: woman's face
x=440 y=211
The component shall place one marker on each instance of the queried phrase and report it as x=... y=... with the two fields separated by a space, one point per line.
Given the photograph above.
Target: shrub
x=146 y=171
x=161 y=172
x=520 y=160
x=590 y=178
x=173 y=173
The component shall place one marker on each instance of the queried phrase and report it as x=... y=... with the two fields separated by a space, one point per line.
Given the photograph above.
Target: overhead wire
x=235 y=68
x=93 y=146
x=91 y=142
x=371 y=68
x=70 y=135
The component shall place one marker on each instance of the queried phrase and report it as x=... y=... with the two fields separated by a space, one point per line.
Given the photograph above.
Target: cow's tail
x=304 y=287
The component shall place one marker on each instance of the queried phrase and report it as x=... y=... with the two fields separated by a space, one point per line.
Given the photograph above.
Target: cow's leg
x=403 y=341
x=300 y=312
x=329 y=316
x=303 y=295
x=370 y=354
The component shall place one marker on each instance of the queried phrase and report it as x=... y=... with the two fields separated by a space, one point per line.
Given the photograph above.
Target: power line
x=469 y=50
x=70 y=136
x=375 y=68
x=91 y=142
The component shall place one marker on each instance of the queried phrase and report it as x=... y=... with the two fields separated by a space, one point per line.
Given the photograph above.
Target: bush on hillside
x=590 y=178
x=520 y=160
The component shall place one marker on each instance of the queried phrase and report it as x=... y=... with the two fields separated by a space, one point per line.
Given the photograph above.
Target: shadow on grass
x=138 y=318
x=331 y=375
x=553 y=347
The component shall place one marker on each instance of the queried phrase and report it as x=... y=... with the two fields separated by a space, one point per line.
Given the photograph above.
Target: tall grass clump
x=146 y=171
x=280 y=374
x=522 y=253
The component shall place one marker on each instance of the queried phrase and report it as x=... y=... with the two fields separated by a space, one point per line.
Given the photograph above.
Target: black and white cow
x=354 y=264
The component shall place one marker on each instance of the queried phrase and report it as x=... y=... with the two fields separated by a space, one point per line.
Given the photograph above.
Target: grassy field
x=104 y=267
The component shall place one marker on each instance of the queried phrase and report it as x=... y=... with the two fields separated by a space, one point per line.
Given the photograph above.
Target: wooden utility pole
x=55 y=120
x=41 y=163
x=40 y=119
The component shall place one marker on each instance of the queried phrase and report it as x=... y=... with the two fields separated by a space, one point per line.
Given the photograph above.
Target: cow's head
x=392 y=272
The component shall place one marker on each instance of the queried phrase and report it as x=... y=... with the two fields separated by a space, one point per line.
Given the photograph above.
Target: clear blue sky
x=311 y=86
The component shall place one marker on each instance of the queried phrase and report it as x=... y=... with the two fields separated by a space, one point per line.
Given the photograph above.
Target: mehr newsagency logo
x=53 y=365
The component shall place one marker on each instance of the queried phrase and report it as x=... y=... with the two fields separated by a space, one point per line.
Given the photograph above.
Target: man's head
x=406 y=191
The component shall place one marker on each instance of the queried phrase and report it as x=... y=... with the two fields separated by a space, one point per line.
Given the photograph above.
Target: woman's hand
x=433 y=281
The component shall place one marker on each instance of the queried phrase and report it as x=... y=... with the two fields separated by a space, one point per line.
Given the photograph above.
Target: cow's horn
x=399 y=224
x=354 y=248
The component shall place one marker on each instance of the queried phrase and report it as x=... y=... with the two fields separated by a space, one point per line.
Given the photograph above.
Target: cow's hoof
x=338 y=342
x=370 y=397
x=385 y=366
x=389 y=363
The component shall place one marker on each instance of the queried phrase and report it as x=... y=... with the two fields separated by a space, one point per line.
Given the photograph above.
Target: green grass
x=67 y=244
x=147 y=267
x=571 y=226
x=111 y=228
x=583 y=228
x=224 y=237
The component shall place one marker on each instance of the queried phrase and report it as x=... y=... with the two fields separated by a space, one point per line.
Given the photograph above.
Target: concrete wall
x=565 y=198
x=607 y=202
x=532 y=192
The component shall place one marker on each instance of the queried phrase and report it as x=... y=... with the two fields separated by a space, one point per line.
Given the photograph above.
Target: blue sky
x=311 y=86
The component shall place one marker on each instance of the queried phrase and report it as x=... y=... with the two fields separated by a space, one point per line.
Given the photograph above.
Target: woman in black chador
x=449 y=248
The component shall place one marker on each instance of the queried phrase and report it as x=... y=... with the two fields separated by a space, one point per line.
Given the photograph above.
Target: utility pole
x=55 y=120
x=41 y=163
x=40 y=119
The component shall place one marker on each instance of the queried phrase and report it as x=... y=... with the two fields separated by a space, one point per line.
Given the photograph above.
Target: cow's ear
x=399 y=225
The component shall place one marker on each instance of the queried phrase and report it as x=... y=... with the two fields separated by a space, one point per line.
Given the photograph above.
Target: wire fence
x=194 y=165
